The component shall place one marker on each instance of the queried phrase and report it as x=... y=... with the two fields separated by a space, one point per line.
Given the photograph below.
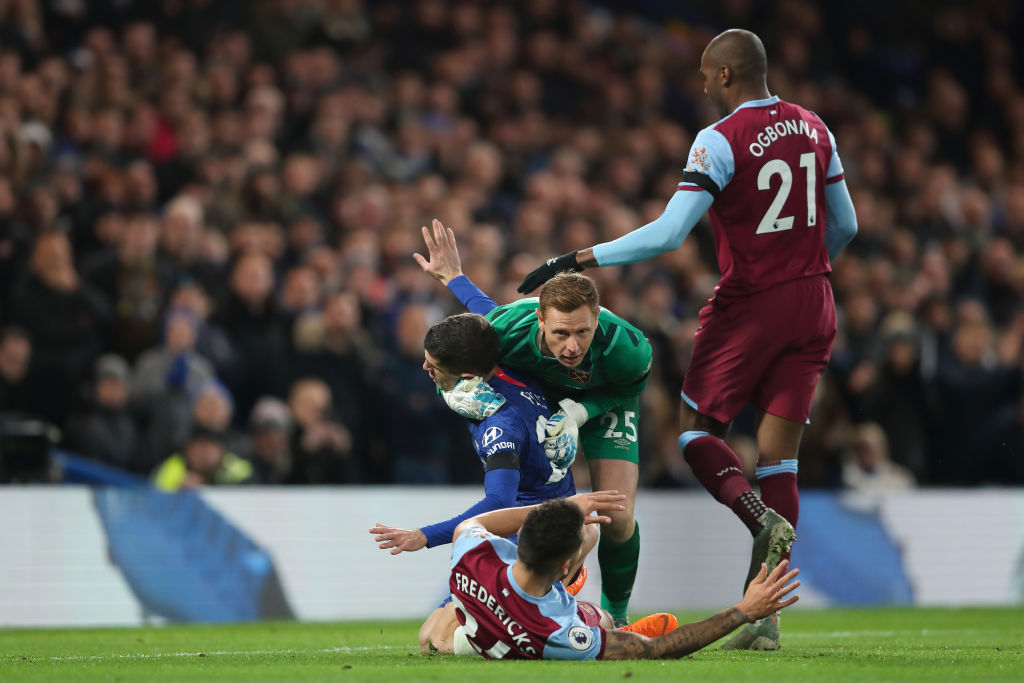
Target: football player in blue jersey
x=506 y=417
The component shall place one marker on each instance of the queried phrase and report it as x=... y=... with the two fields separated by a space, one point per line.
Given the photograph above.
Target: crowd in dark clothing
x=208 y=210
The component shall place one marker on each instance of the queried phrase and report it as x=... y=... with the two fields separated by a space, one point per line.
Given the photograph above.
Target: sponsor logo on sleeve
x=491 y=434
x=699 y=160
x=581 y=638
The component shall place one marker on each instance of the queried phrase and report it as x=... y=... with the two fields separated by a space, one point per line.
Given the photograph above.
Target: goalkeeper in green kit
x=590 y=362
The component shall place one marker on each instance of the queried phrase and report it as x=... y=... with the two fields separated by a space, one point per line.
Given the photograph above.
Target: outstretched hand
x=398 y=540
x=596 y=501
x=764 y=594
x=444 y=264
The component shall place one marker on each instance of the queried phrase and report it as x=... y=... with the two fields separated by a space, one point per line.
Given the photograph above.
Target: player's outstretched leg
x=653 y=625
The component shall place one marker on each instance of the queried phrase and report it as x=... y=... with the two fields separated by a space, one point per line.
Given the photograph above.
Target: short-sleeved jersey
x=500 y=620
x=766 y=165
x=508 y=439
x=615 y=367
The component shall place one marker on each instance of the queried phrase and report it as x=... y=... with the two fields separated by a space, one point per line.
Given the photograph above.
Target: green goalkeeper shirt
x=615 y=368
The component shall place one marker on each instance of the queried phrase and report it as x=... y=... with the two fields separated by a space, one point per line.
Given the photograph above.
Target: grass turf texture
x=834 y=644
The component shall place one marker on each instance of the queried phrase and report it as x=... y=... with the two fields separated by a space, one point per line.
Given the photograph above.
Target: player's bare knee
x=621 y=528
x=705 y=423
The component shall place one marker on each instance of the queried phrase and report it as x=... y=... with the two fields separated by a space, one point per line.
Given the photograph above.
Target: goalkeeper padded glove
x=560 y=433
x=473 y=398
x=547 y=270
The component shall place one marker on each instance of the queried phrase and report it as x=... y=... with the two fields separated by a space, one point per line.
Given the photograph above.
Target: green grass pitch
x=818 y=645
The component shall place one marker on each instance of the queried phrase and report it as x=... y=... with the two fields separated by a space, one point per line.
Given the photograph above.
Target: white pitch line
x=887 y=634
x=211 y=653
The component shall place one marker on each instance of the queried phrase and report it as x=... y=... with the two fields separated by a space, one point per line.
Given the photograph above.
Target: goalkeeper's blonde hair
x=566 y=292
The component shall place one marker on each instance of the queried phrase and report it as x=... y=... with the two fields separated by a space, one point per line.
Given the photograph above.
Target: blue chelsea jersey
x=508 y=439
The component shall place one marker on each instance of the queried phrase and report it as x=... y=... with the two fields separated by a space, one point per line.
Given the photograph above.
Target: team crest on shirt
x=579 y=375
x=699 y=160
x=581 y=638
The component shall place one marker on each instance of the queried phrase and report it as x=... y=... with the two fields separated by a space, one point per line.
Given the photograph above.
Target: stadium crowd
x=208 y=210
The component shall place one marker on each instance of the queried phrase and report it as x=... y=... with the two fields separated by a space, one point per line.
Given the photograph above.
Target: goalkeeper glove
x=473 y=399
x=547 y=270
x=560 y=433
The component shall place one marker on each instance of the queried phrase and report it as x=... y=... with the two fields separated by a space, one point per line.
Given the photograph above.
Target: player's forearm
x=678 y=643
x=500 y=488
x=663 y=234
x=840 y=219
x=471 y=296
x=504 y=522
x=585 y=258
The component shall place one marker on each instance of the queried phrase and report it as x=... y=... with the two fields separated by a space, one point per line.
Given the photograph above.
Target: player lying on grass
x=511 y=605
x=594 y=365
x=444 y=633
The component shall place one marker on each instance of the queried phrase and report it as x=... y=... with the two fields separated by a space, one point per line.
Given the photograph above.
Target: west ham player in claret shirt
x=770 y=178
x=511 y=605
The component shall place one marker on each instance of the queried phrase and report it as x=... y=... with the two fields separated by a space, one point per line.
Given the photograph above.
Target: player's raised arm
x=444 y=264
x=764 y=596
x=663 y=234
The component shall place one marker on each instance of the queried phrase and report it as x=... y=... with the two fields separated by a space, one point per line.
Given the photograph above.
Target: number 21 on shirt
x=771 y=221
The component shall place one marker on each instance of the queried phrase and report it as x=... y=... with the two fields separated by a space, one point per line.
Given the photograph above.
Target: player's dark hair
x=551 y=534
x=465 y=342
x=566 y=292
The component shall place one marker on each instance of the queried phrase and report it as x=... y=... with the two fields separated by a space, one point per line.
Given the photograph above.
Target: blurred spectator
x=334 y=346
x=270 y=442
x=175 y=364
x=182 y=242
x=1004 y=449
x=135 y=284
x=255 y=330
x=322 y=447
x=106 y=429
x=899 y=399
x=67 y=321
x=15 y=356
x=971 y=384
x=212 y=342
x=204 y=461
x=165 y=383
x=867 y=466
